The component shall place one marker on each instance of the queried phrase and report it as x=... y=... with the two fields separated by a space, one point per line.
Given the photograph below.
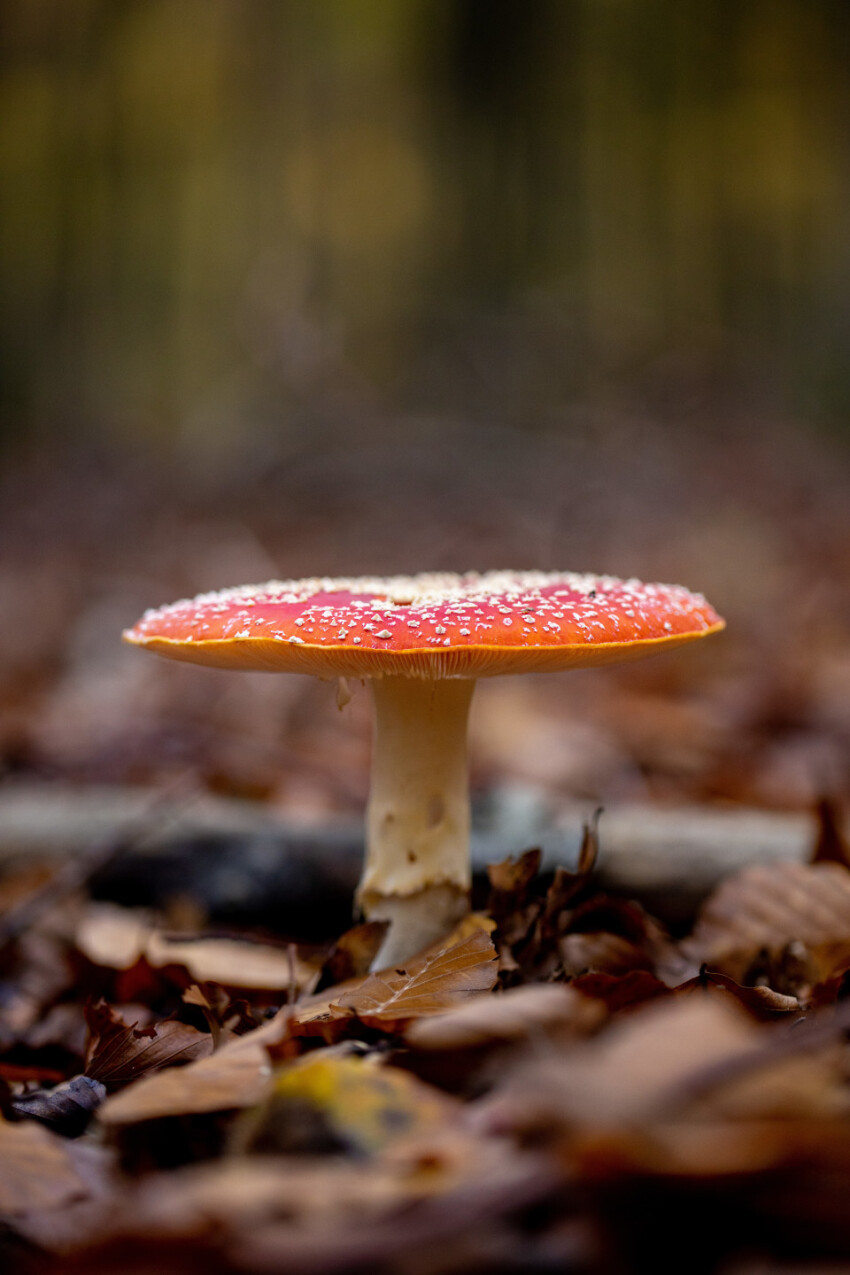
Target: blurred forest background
x=319 y=286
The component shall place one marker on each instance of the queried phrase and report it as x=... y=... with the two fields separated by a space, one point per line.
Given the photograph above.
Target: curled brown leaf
x=764 y=908
x=237 y=1075
x=119 y=1052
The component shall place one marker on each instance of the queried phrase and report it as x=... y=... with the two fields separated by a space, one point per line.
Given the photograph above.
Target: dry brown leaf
x=44 y=975
x=688 y=1085
x=511 y=900
x=430 y=1226
x=237 y=1075
x=511 y=885
x=352 y=954
x=234 y=963
x=762 y=1002
x=632 y=1071
x=620 y=992
x=531 y=921
x=222 y=1082
x=390 y=1000
x=241 y=1192
x=225 y=1017
x=472 y=923
x=432 y=983
x=112 y=937
x=791 y=1087
x=521 y=1013
x=119 y=1052
x=322 y=1015
x=681 y=1148
x=116 y=938
x=37 y=1169
x=830 y=990
x=832 y=845
x=510 y=880
x=600 y=952
x=297 y=1214
x=608 y=914
x=765 y=908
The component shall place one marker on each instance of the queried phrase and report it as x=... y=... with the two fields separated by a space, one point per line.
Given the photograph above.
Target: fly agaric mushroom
x=422 y=641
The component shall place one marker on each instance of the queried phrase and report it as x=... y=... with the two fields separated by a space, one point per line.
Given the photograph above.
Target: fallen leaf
x=685 y=1086
x=832 y=843
x=390 y=1000
x=765 y=908
x=510 y=881
x=222 y=1082
x=293 y=1215
x=762 y=1002
x=531 y=921
x=429 y=1225
x=241 y=1192
x=66 y=1109
x=830 y=991
x=552 y=918
x=633 y=1071
x=683 y=1149
x=352 y=954
x=432 y=983
x=600 y=952
x=471 y=923
x=235 y=963
x=37 y=1169
x=116 y=938
x=356 y=1104
x=521 y=1013
x=237 y=1075
x=567 y=885
x=119 y=1052
x=623 y=918
x=112 y=937
x=620 y=992
x=40 y=976
x=511 y=902
x=789 y=970
x=225 y=1017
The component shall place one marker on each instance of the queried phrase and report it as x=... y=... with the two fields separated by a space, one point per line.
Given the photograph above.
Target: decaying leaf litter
x=186 y=1089
x=539 y=1092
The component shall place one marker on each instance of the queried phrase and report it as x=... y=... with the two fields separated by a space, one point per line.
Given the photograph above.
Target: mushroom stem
x=417 y=872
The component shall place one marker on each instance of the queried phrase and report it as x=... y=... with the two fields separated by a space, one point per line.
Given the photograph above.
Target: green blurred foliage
x=214 y=212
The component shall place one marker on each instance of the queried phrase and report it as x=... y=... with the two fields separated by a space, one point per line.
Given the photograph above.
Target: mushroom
x=422 y=641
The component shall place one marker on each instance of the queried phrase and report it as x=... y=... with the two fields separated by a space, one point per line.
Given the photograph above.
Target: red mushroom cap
x=428 y=625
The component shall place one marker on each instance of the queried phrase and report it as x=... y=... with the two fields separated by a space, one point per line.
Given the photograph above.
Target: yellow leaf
x=361 y=1103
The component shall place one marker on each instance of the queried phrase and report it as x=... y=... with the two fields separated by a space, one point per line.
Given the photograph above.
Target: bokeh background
x=321 y=286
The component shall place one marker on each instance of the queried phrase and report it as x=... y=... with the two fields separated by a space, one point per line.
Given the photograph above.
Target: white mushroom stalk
x=417 y=874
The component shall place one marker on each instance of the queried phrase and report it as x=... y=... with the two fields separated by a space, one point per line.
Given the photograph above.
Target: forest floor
x=575 y=1080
